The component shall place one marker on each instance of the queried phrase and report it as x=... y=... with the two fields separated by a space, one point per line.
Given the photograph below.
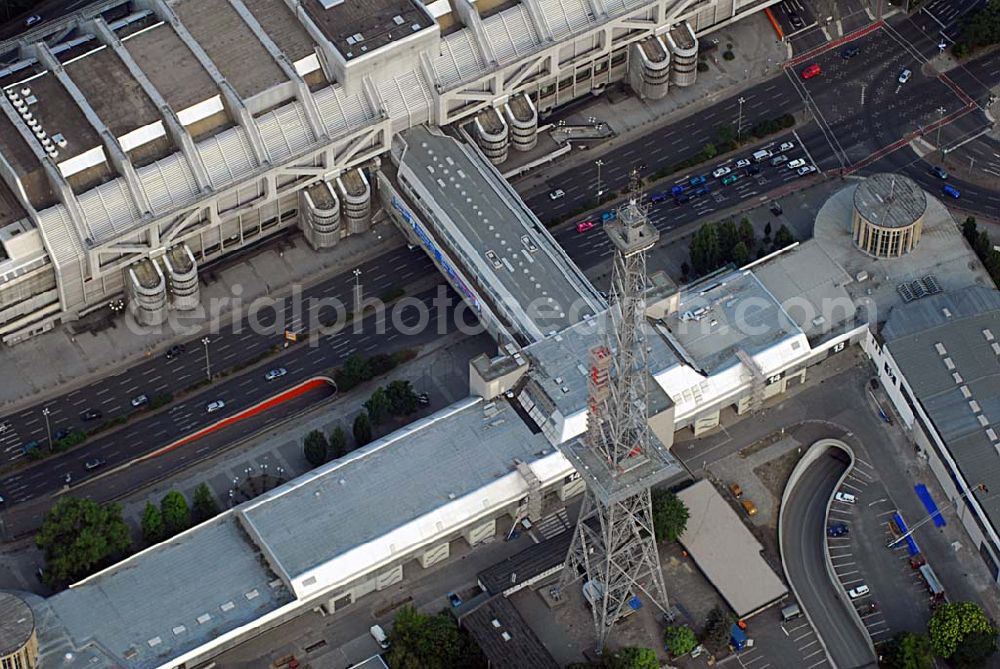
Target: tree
x=717 y=626
x=633 y=658
x=728 y=237
x=767 y=230
x=356 y=370
x=204 y=503
x=953 y=622
x=377 y=406
x=709 y=151
x=725 y=135
x=315 y=448
x=907 y=650
x=176 y=514
x=783 y=237
x=670 y=515
x=741 y=254
x=402 y=398
x=983 y=244
x=152 y=524
x=705 y=249
x=79 y=536
x=747 y=234
x=685 y=270
x=338 y=443
x=362 y=429
x=420 y=641
x=975 y=649
x=970 y=230
x=680 y=640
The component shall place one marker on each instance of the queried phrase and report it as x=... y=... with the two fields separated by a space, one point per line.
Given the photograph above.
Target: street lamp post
x=940 y=111
x=739 y=118
x=208 y=363
x=357 y=290
x=600 y=164
x=48 y=427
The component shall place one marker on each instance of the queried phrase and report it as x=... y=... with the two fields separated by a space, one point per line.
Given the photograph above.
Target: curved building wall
x=492 y=135
x=355 y=200
x=147 y=290
x=887 y=218
x=522 y=118
x=18 y=635
x=182 y=277
x=683 y=55
x=319 y=216
x=884 y=242
x=649 y=68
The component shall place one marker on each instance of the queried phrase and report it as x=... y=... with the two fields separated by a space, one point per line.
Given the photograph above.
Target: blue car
x=658 y=197
x=951 y=191
x=677 y=190
x=455 y=600
x=697 y=181
x=703 y=190
x=609 y=216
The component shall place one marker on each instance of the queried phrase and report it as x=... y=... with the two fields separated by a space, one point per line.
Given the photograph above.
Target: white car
x=217 y=405
x=140 y=400
x=786 y=146
x=859 y=591
x=742 y=162
x=556 y=194
x=845 y=497
x=275 y=374
x=721 y=172
x=905 y=75
x=796 y=164
x=4 y=426
x=32 y=20
x=806 y=169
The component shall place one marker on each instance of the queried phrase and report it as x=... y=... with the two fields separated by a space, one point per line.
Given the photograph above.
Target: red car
x=811 y=71
x=584 y=226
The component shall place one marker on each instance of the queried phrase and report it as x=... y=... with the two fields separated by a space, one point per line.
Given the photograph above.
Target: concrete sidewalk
x=66 y=358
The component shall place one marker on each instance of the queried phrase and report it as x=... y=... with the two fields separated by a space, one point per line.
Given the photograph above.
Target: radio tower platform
x=619 y=458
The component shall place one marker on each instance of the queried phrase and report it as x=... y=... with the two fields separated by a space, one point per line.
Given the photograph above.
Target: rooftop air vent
x=26 y=91
x=398 y=20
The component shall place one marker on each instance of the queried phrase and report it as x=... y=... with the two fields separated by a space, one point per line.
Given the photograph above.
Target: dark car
x=91 y=465
x=682 y=198
x=455 y=600
x=939 y=172
x=837 y=530
x=850 y=52
x=776 y=209
x=676 y=190
x=697 y=180
x=753 y=169
x=60 y=434
x=174 y=351
x=91 y=414
x=658 y=197
x=423 y=399
x=703 y=190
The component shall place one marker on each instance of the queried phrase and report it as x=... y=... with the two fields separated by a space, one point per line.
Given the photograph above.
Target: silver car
x=217 y=405
x=275 y=374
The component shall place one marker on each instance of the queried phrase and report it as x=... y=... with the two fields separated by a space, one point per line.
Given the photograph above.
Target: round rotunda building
x=18 y=639
x=888 y=215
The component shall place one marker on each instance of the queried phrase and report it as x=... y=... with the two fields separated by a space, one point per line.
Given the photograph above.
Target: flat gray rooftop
x=10 y=209
x=810 y=286
x=20 y=156
x=714 y=537
x=723 y=314
x=59 y=114
x=965 y=410
x=282 y=27
x=377 y=22
x=174 y=597
x=563 y=360
x=486 y=226
x=505 y=637
x=348 y=503
x=110 y=89
x=890 y=200
x=231 y=45
x=171 y=67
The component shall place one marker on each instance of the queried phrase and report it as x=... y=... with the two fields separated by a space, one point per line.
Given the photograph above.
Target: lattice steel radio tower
x=618 y=457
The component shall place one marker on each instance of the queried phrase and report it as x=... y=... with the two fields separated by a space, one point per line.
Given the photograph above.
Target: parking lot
x=859 y=102
x=897 y=598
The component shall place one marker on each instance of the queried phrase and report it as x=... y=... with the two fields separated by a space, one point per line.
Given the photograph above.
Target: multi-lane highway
x=841 y=130
x=803 y=526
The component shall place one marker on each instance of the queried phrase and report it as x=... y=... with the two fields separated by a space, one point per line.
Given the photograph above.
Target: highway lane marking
x=33 y=421
x=816 y=664
x=806 y=657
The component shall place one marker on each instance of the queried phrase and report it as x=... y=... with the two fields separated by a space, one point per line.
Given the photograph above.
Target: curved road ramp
x=802 y=540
